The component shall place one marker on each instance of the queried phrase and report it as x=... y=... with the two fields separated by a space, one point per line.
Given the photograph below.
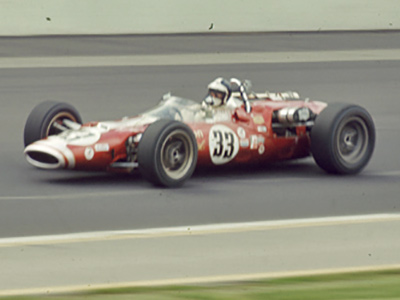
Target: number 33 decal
x=224 y=144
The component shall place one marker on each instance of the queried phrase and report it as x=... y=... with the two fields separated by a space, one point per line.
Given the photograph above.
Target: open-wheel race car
x=231 y=126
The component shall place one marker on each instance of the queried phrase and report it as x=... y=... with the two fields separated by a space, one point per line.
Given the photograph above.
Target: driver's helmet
x=219 y=91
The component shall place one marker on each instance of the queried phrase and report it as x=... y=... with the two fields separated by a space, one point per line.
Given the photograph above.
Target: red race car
x=231 y=126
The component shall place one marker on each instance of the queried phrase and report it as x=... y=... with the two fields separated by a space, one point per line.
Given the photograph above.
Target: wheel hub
x=177 y=154
x=353 y=140
x=175 y=157
x=349 y=140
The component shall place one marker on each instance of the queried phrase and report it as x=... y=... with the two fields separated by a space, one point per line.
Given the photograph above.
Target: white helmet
x=219 y=91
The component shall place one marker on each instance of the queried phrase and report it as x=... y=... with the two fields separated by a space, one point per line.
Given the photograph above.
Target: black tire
x=167 y=153
x=43 y=116
x=343 y=138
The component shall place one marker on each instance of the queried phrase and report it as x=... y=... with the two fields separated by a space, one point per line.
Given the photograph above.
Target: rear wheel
x=343 y=138
x=167 y=153
x=44 y=118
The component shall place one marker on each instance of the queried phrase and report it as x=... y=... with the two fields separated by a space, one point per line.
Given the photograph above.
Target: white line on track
x=75 y=195
x=385 y=173
x=192 y=230
x=199 y=59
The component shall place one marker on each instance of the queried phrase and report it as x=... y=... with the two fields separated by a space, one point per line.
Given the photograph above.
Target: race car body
x=167 y=142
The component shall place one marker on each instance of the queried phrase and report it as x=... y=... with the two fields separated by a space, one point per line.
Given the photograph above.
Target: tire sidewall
x=346 y=115
x=149 y=152
x=38 y=122
x=324 y=137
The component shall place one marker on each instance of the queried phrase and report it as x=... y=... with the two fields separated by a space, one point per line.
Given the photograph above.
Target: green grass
x=363 y=285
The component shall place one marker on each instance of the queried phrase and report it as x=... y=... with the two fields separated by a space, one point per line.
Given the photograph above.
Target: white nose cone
x=49 y=154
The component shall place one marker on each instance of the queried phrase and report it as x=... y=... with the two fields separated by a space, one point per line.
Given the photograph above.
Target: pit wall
x=71 y=17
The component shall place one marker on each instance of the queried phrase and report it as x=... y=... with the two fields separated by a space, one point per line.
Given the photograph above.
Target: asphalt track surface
x=36 y=202
x=361 y=68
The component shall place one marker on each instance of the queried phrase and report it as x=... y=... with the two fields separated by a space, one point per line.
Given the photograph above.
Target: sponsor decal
x=201 y=143
x=253 y=142
x=201 y=146
x=257 y=142
x=258 y=119
x=241 y=132
x=199 y=134
x=224 y=144
x=102 y=147
x=245 y=143
x=262 y=129
x=89 y=153
x=261 y=149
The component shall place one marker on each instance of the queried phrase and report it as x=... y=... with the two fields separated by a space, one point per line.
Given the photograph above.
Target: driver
x=219 y=93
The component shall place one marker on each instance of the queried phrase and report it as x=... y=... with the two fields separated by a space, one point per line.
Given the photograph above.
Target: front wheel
x=167 y=153
x=343 y=138
x=44 y=118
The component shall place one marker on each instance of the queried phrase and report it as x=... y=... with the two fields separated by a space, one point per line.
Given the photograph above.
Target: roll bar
x=243 y=86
